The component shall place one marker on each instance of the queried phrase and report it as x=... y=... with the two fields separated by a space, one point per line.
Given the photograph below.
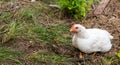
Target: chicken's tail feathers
x=111 y=37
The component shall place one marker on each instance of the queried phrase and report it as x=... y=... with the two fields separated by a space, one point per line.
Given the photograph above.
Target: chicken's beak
x=71 y=30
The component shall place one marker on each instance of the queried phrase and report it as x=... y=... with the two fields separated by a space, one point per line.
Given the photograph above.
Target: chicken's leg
x=94 y=53
x=80 y=56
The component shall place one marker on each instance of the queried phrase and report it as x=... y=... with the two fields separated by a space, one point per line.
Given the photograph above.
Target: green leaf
x=76 y=16
x=83 y=11
x=118 y=54
x=73 y=2
x=84 y=5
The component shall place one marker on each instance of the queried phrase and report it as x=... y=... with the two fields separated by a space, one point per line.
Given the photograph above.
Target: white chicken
x=91 y=40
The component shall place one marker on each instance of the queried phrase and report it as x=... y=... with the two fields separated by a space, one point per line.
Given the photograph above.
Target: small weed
x=106 y=61
x=110 y=61
x=118 y=54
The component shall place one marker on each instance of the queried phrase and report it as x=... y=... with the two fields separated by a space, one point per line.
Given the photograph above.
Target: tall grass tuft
x=10 y=32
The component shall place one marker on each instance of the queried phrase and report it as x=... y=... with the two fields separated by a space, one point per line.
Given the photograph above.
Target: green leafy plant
x=75 y=8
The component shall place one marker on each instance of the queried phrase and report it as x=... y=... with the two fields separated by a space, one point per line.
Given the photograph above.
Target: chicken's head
x=77 y=28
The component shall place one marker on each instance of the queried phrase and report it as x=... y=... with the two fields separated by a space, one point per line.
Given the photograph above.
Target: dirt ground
x=108 y=20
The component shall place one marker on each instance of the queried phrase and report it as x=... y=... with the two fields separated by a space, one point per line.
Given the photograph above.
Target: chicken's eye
x=76 y=27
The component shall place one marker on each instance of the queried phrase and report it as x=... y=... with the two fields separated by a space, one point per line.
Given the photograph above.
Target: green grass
x=25 y=24
x=48 y=57
x=9 y=55
x=10 y=32
x=46 y=35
